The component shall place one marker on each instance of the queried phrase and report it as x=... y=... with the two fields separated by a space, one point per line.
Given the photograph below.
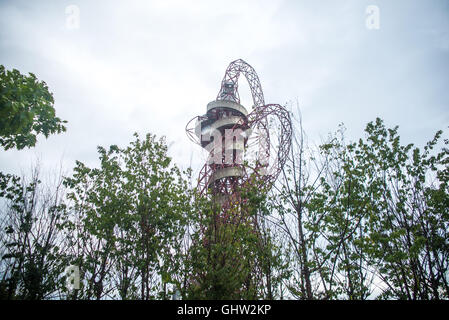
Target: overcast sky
x=150 y=66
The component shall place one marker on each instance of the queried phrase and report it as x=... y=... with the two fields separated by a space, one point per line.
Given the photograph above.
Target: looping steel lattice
x=232 y=135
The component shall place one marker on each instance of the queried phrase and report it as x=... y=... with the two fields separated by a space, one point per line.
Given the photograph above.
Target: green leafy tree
x=26 y=110
x=408 y=230
x=338 y=210
x=381 y=214
x=128 y=222
x=365 y=219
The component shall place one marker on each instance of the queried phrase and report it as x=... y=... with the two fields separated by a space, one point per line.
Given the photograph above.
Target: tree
x=381 y=216
x=31 y=249
x=365 y=219
x=409 y=223
x=337 y=211
x=128 y=222
x=26 y=110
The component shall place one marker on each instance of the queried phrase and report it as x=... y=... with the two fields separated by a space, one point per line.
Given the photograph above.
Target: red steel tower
x=244 y=146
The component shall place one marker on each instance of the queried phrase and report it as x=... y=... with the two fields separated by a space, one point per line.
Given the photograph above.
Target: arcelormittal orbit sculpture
x=245 y=147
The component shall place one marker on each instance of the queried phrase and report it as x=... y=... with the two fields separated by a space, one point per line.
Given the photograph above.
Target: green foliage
x=133 y=210
x=366 y=219
x=31 y=260
x=233 y=255
x=381 y=211
x=371 y=221
x=26 y=110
